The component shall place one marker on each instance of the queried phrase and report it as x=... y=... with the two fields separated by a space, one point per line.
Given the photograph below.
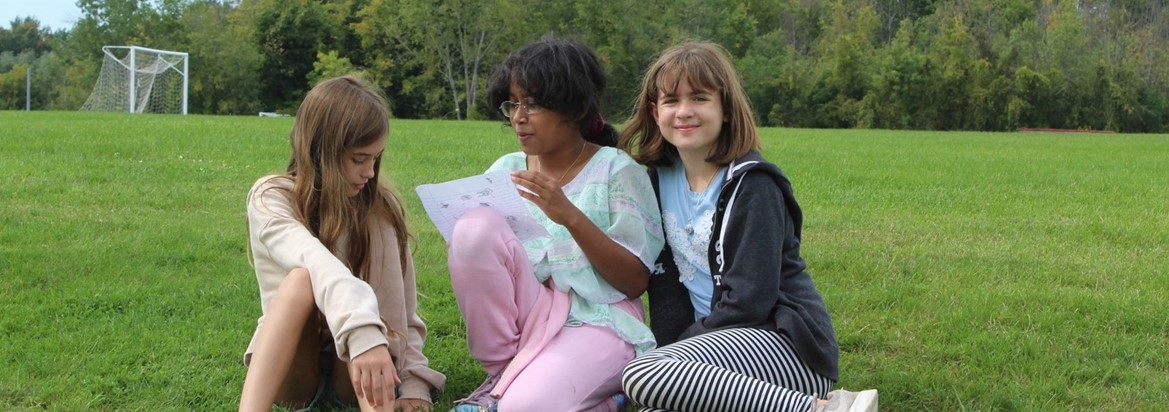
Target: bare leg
x=341 y=383
x=279 y=371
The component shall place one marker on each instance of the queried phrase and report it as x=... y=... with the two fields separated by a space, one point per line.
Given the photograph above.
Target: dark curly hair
x=562 y=75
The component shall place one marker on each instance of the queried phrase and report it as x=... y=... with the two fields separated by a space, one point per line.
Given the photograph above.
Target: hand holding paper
x=446 y=202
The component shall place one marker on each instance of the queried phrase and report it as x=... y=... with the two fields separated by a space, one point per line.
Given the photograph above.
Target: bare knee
x=296 y=289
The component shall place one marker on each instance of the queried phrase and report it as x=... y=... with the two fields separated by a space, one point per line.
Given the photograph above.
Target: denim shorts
x=326 y=396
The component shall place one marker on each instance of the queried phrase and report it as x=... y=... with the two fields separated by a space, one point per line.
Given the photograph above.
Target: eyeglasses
x=508 y=108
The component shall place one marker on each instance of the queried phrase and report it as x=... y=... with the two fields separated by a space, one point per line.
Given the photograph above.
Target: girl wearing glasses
x=554 y=320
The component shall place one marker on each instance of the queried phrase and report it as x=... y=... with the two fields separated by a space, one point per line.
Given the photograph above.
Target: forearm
x=616 y=264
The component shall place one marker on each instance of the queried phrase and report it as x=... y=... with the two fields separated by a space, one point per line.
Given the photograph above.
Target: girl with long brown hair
x=329 y=244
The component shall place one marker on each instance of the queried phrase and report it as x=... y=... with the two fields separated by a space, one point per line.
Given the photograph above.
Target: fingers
x=534 y=186
x=370 y=384
x=355 y=379
x=367 y=386
x=376 y=395
x=529 y=176
x=531 y=190
x=374 y=378
x=391 y=385
x=525 y=182
x=526 y=193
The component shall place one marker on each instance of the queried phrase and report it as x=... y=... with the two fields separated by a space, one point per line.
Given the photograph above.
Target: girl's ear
x=653 y=109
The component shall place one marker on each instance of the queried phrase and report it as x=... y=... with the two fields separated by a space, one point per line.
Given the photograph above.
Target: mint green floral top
x=615 y=193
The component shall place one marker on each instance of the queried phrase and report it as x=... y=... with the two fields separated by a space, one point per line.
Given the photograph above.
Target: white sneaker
x=845 y=401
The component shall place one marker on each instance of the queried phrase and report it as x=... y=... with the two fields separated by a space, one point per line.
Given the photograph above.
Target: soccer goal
x=140 y=80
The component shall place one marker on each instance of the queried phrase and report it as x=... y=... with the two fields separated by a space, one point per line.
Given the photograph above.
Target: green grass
x=964 y=271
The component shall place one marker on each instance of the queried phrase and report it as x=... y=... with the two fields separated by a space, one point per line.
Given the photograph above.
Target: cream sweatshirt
x=357 y=312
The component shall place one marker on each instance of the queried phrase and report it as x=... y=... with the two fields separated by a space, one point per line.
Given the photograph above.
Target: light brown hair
x=706 y=66
x=336 y=116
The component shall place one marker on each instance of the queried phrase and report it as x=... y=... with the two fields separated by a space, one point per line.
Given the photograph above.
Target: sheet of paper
x=446 y=202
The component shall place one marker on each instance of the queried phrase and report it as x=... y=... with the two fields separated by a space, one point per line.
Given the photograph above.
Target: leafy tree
x=925 y=64
x=845 y=55
x=329 y=65
x=898 y=87
x=626 y=50
x=1128 y=107
x=289 y=34
x=380 y=51
x=892 y=14
x=224 y=64
x=762 y=71
x=16 y=71
x=729 y=23
x=800 y=21
x=47 y=73
x=1029 y=93
x=1010 y=13
x=736 y=31
x=955 y=76
x=25 y=34
x=125 y=23
x=12 y=85
x=441 y=50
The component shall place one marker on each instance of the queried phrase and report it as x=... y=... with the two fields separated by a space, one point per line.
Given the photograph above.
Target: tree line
x=890 y=64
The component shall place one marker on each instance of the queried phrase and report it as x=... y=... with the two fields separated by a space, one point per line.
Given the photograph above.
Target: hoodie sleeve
x=348 y=303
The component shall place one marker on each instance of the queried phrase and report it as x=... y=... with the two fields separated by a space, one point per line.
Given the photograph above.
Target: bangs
x=532 y=82
x=690 y=67
x=562 y=75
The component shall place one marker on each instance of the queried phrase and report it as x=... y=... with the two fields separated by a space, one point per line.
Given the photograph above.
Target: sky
x=53 y=14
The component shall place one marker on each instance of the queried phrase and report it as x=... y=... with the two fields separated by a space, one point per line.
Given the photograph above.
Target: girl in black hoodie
x=738 y=321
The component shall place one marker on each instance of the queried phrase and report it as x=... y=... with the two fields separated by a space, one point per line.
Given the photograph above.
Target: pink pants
x=515 y=325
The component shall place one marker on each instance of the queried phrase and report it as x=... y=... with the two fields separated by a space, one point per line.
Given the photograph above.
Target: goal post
x=140 y=80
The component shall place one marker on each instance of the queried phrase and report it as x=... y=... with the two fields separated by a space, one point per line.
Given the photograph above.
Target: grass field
x=963 y=271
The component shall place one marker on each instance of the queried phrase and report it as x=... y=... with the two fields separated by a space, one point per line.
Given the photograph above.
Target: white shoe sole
x=866 y=401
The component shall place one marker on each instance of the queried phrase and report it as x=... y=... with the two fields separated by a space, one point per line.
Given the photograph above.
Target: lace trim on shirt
x=689 y=249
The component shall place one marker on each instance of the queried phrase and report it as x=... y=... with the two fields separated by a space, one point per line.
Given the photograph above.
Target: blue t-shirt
x=688 y=217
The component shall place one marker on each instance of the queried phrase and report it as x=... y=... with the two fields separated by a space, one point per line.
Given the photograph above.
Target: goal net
x=140 y=80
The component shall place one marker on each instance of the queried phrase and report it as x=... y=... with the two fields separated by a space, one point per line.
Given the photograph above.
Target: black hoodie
x=759 y=276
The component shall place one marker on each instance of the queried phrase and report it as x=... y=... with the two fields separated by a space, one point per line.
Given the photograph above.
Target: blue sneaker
x=474 y=408
x=621 y=400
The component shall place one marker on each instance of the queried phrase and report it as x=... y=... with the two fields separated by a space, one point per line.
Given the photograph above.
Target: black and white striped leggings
x=727 y=370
